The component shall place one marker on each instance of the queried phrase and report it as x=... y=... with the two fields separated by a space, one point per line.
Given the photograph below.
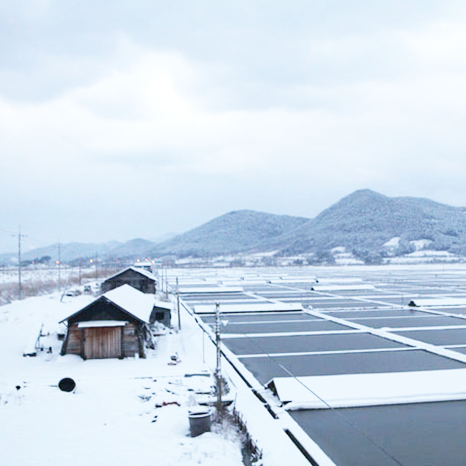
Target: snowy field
x=345 y=333
x=132 y=411
x=43 y=274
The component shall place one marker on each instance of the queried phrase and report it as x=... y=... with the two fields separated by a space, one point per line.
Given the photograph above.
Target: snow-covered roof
x=130 y=300
x=442 y=301
x=133 y=301
x=351 y=390
x=162 y=304
x=139 y=270
x=337 y=287
x=102 y=323
x=253 y=307
x=211 y=289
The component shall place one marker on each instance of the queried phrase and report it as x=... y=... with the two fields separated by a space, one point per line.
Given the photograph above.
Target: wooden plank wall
x=131 y=342
x=73 y=341
x=102 y=342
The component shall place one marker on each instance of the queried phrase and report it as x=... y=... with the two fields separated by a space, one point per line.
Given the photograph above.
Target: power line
x=7 y=232
x=337 y=412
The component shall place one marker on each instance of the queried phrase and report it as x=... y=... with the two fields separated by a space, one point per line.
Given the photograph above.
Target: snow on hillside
x=423 y=257
x=393 y=243
x=421 y=244
x=342 y=257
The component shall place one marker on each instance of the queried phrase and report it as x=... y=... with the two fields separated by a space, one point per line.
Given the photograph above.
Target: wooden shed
x=161 y=313
x=137 y=277
x=115 y=325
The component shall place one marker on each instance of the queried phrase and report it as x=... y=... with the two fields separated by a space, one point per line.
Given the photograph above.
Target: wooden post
x=178 y=303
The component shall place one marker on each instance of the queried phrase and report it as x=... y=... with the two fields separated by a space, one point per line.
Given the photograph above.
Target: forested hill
x=366 y=221
x=231 y=233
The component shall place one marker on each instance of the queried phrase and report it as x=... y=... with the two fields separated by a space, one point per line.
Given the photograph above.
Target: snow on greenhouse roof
x=354 y=390
x=255 y=307
x=444 y=301
x=211 y=289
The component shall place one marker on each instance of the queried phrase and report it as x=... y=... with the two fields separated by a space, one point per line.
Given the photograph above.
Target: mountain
x=132 y=249
x=367 y=224
x=162 y=238
x=234 y=232
x=365 y=221
x=71 y=251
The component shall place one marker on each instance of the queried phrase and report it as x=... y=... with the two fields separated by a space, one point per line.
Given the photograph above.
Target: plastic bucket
x=199 y=420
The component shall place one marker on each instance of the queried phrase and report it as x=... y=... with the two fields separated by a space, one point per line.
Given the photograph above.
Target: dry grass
x=38 y=286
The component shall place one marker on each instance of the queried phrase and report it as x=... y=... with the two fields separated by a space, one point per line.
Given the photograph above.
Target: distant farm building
x=137 y=277
x=115 y=325
x=145 y=265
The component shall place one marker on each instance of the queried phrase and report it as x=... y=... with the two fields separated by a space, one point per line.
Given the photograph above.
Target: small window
x=159 y=316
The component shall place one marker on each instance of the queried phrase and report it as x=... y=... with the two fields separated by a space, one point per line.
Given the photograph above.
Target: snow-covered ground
x=42 y=274
x=132 y=411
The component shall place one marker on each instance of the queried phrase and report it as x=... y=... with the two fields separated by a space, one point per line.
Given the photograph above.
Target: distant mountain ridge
x=232 y=233
x=365 y=223
x=71 y=251
x=362 y=223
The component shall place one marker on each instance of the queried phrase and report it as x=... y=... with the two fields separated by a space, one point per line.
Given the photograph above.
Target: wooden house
x=115 y=325
x=137 y=277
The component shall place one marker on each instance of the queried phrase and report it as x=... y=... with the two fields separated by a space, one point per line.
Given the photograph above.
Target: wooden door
x=102 y=342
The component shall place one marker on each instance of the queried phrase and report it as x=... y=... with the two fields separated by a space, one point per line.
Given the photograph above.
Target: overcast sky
x=123 y=119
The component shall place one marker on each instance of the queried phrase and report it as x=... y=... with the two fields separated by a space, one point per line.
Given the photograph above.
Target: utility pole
x=218 y=375
x=96 y=272
x=178 y=303
x=20 y=288
x=59 y=266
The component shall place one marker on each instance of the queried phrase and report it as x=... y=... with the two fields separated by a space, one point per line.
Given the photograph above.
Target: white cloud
x=348 y=110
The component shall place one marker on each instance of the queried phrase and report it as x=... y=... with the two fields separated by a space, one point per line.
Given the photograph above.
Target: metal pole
x=178 y=303
x=20 y=288
x=59 y=267
x=218 y=376
x=161 y=282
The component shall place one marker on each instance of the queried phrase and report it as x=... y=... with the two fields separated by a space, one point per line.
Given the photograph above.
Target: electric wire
x=352 y=424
